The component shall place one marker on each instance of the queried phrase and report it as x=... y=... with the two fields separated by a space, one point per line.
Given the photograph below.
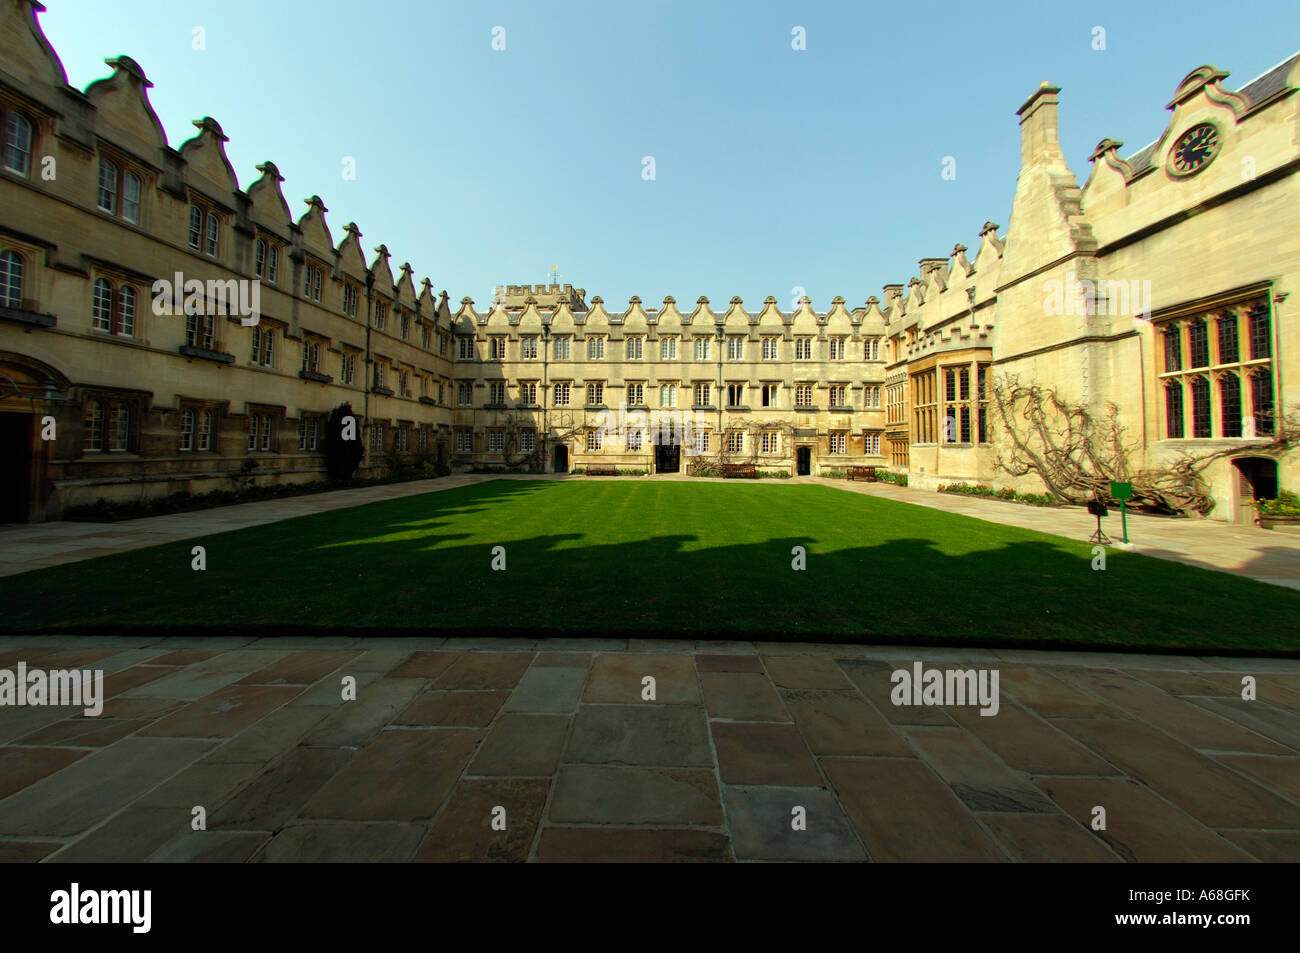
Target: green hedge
x=1006 y=493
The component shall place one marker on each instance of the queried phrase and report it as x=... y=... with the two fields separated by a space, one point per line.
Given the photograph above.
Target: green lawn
x=658 y=559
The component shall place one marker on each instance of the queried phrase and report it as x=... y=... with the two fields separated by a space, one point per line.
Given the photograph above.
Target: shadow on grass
x=418 y=579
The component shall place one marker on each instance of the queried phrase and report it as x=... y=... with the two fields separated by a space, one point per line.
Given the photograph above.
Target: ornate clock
x=1194 y=150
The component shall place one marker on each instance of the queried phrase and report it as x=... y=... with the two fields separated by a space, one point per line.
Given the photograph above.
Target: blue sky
x=774 y=168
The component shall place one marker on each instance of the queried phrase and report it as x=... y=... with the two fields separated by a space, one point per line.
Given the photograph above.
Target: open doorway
x=803 y=461
x=561 y=459
x=1256 y=480
x=16 y=467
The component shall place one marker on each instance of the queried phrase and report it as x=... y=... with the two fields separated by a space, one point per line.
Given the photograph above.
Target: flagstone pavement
x=1264 y=555
x=514 y=750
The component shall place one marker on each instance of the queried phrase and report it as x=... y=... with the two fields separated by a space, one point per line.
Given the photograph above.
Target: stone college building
x=1152 y=300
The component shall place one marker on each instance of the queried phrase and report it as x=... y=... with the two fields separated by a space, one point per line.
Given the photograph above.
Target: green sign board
x=1121 y=491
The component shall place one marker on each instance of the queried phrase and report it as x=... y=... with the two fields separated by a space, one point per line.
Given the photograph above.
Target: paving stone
x=271 y=737
x=872 y=679
x=1271 y=847
x=186 y=684
x=21 y=722
x=763 y=754
x=223 y=714
x=220 y=847
x=741 y=696
x=243 y=661
x=981 y=781
x=616 y=679
x=1139 y=825
x=93 y=788
x=481 y=670
x=548 y=689
x=1047 y=838
x=1276 y=723
x=479 y=644
x=905 y=813
x=402 y=775
x=723 y=647
x=382 y=661
x=1280 y=774
x=463 y=830
x=279 y=792
x=356 y=722
x=728 y=663
x=130 y=837
x=659 y=645
x=1048 y=695
x=20 y=767
x=805 y=672
x=453 y=709
x=582 y=645
x=647 y=735
x=335 y=843
x=522 y=746
x=841 y=723
x=580 y=660
x=328 y=692
x=761 y=824
x=136 y=675
x=1030 y=744
x=630 y=845
x=424 y=665
x=85 y=732
x=299 y=668
x=1174 y=716
x=1203 y=788
x=1193 y=683
x=675 y=797
x=203 y=785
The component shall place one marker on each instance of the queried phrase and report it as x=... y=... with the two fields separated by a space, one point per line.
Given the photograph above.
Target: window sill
x=382 y=391
x=429 y=401
x=30 y=318
x=495 y=407
x=202 y=353
x=316 y=376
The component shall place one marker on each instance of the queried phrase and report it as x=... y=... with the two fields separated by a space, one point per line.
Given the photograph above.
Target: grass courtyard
x=656 y=559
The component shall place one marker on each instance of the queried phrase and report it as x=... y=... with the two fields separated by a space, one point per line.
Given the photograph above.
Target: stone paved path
x=1268 y=556
x=558 y=734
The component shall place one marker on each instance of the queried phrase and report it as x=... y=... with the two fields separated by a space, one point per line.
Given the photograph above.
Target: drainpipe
x=365 y=380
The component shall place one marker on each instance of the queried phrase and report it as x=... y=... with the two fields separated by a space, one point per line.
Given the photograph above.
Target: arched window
x=1198 y=343
x=107 y=186
x=1261 y=344
x=18 y=143
x=187 y=429
x=101 y=306
x=131 y=197
x=126 y=311
x=119 y=428
x=1201 y=407
x=1174 y=410
x=214 y=225
x=1230 y=404
x=94 y=426
x=196 y=228
x=259 y=258
x=205 y=430
x=1261 y=402
x=11 y=279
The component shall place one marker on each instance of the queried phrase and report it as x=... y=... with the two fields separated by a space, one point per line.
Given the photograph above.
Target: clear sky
x=774 y=168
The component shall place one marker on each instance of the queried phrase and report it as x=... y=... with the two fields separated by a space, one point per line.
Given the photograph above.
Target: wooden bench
x=602 y=469
x=739 y=470
x=862 y=473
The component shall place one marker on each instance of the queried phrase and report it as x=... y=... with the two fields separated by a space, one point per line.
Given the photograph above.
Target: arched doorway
x=1256 y=480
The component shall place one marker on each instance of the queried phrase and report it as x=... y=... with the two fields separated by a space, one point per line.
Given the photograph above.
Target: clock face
x=1194 y=149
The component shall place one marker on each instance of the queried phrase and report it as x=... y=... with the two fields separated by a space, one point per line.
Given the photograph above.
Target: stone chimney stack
x=1038 y=125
